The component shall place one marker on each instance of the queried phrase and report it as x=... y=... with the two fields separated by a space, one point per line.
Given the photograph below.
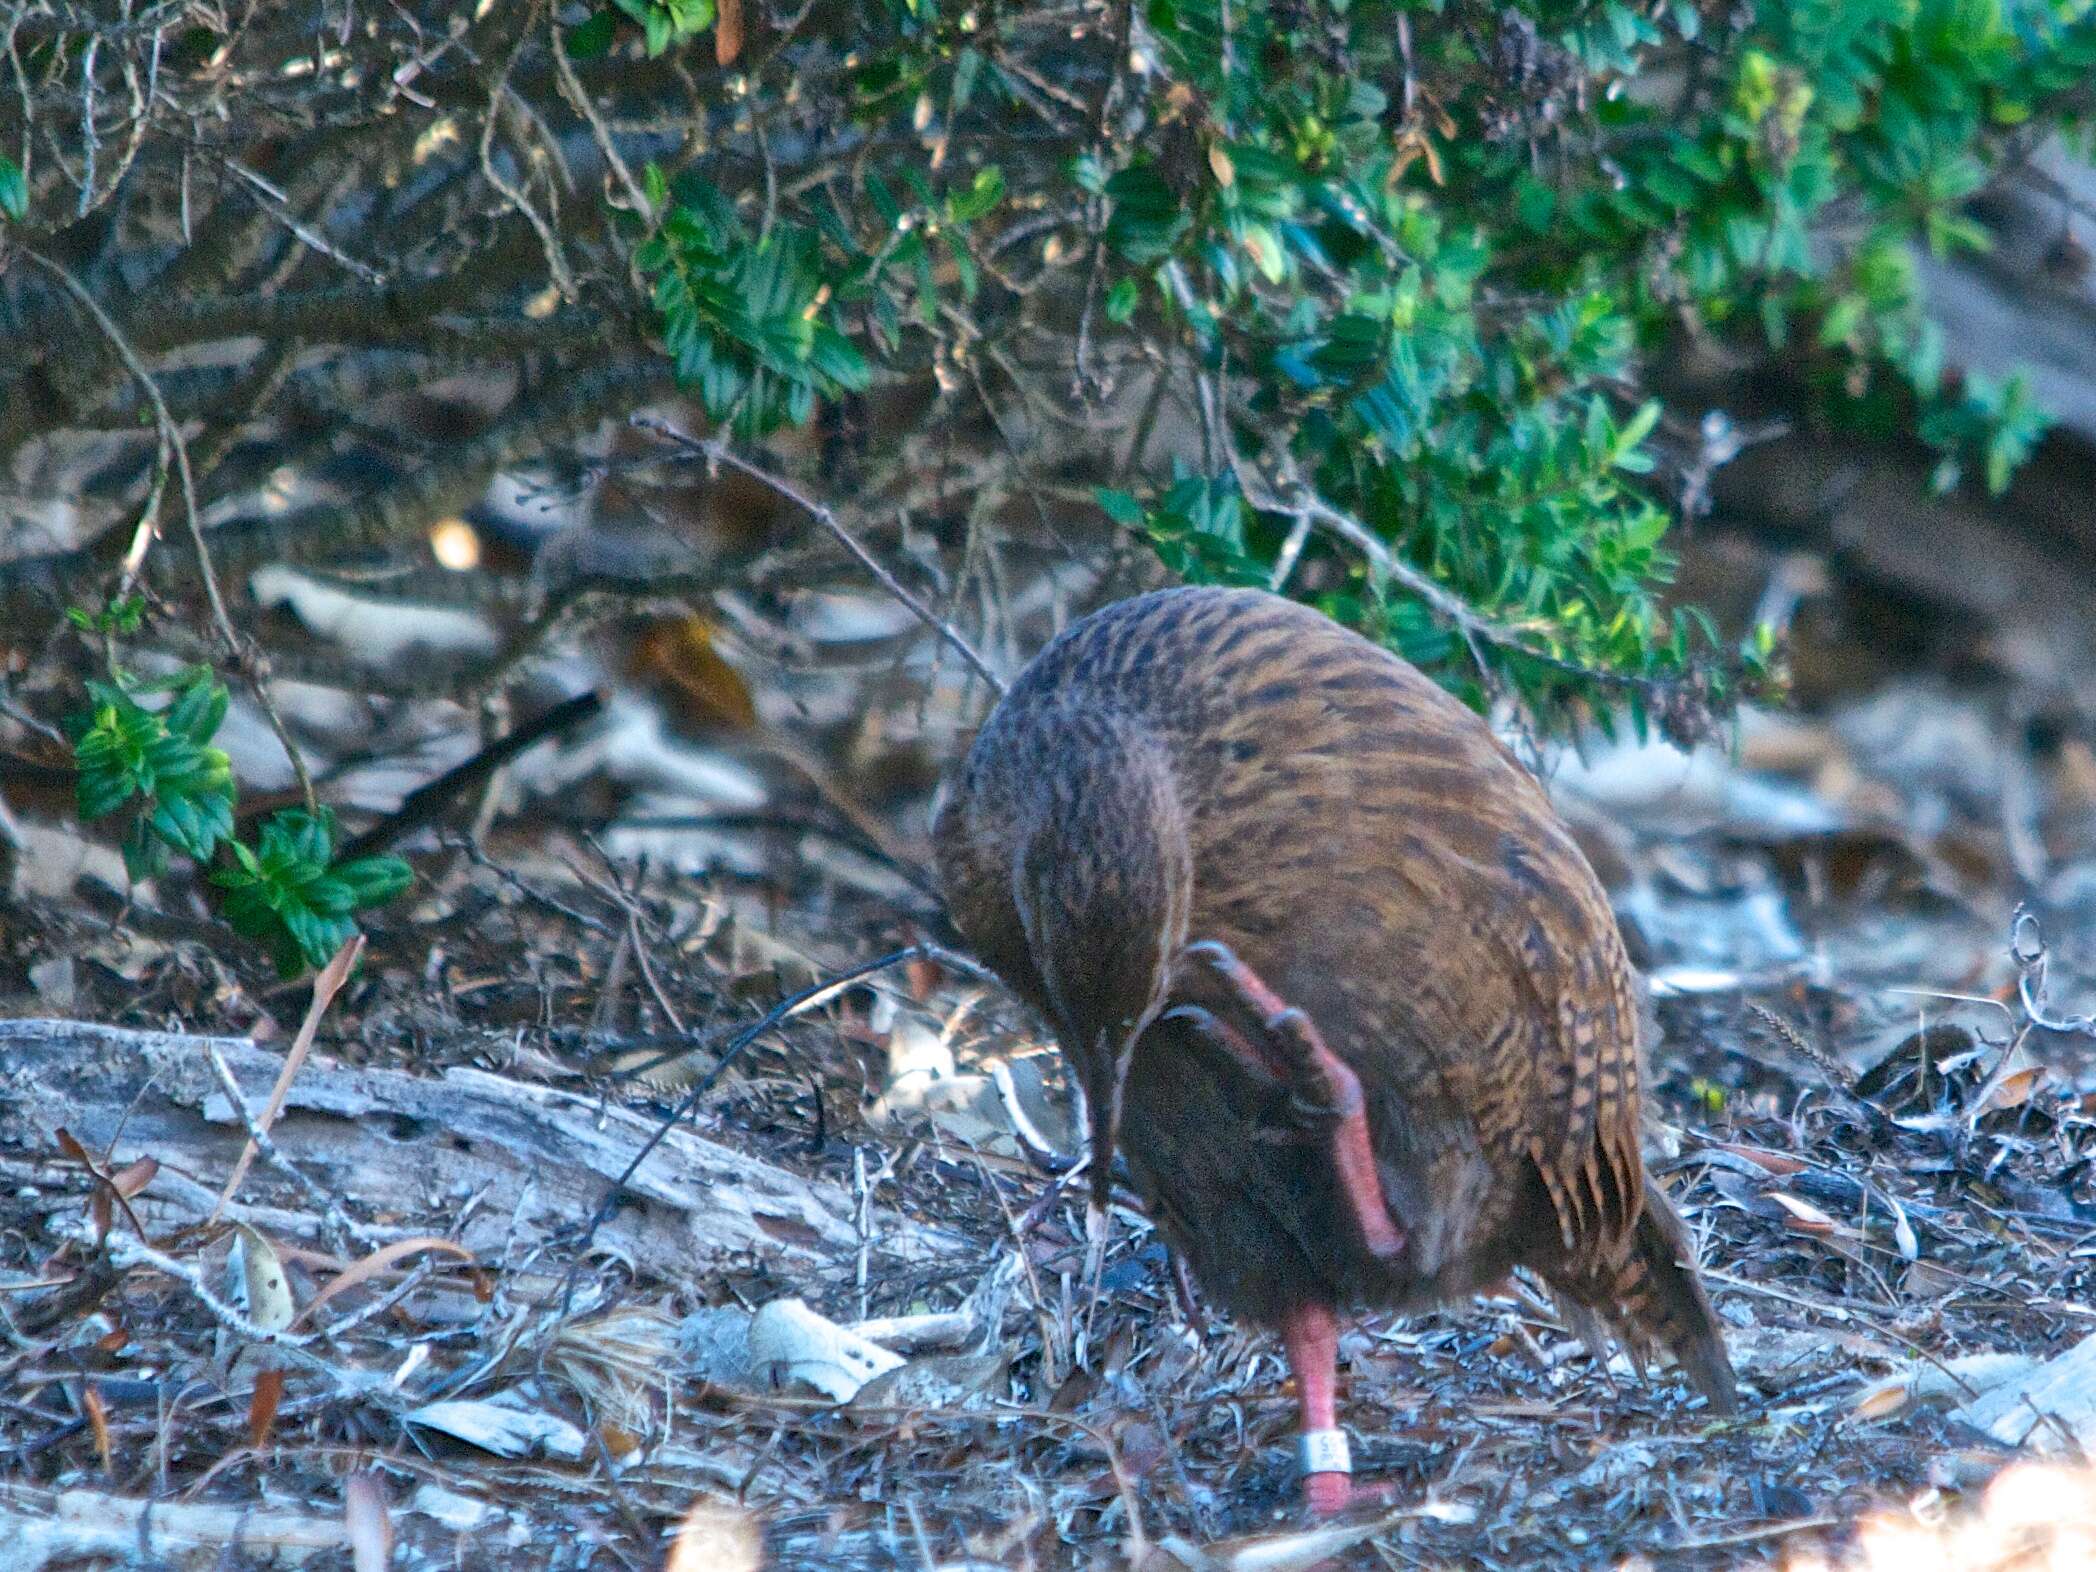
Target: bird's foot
x=1310 y=1336
x=1329 y=1486
x=1326 y=1461
x=1289 y=1048
x=1327 y=1495
x=1331 y=1495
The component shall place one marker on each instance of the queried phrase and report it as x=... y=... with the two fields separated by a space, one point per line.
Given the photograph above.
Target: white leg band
x=1324 y=1452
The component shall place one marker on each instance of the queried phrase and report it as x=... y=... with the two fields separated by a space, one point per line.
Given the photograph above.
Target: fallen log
x=499 y=1164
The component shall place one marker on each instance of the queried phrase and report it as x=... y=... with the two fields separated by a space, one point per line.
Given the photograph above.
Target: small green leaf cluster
x=924 y=259
x=1197 y=526
x=1784 y=188
x=744 y=317
x=287 y=892
x=164 y=759
x=290 y=893
x=668 y=22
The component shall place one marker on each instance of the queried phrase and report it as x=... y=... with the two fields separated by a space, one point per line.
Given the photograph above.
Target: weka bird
x=1330 y=968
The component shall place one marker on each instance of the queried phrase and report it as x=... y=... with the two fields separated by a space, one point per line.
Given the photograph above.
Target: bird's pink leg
x=1310 y=1336
x=1294 y=1051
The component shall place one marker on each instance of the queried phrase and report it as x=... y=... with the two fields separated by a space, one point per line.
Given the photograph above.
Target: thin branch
x=337 y=1220
x=428 y=800
x=273 y=202
x=715 y=451
x=556 y=263
x=171 y=436
x=809 y=998
x=578 y=97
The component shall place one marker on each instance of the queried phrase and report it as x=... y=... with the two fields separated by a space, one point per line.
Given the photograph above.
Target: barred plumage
x=1225 y=765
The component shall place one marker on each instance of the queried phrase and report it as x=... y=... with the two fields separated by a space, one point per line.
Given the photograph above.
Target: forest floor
x=1858 y=1102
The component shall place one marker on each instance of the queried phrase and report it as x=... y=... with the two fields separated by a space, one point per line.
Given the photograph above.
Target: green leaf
x=14 y=190
x=1632 y=436
x=981 y=196
x=1145 y=222
x=589 y=39
x=145 y=855
x=1264 y=248
x=100 y=792
x=372 y=881
x=744 y=318
x=198 y=708
x=328 y=896
x=1123 y=509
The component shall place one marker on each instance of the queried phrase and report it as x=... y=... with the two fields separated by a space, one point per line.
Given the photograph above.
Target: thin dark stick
x=425 y=802
x=793 y=1004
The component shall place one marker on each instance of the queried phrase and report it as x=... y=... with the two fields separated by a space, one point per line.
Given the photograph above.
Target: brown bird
x=1331 y=971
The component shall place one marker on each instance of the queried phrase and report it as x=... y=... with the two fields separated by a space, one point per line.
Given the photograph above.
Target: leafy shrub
x=1421 y=258
x=287 y=892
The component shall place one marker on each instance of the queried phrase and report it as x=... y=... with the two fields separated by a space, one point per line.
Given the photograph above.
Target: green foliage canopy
x=1366 y=300
x=1418 y=259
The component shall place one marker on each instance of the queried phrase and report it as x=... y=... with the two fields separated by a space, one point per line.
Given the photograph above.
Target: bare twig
x=2027 y=946
x=429 y=800
x=325 y=987
x=715 y=451
x=125 y=1251
x=578 y=97
x=171 y=438
x=343 y=1225
x=272 y=201
x=812 y=997
x=556 y=260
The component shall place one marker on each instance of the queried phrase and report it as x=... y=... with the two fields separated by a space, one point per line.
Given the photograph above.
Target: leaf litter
x=848 y=1328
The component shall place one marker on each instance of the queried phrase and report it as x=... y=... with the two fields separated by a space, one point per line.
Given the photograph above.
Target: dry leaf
x=727 y=31
x=130 y=1179
x=1903 y=1231
x=1883 y=1399
x=679 y=654
x=504 y=1424
x=262 y=1405
x=270 y=1304
x=98 y=1421
x=796 y=1344
x=939 y=1381
x=371 y=1265
x=619 y=1442
x=2013 y=1090
x=1777 y=1163
x=1805 y=1218
x=1926 y=1280
x=325 y=987
x=1939 y=1381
